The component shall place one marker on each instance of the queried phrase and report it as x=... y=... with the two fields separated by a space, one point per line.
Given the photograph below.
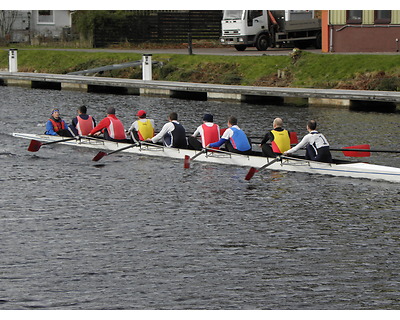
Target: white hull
x=351 y=169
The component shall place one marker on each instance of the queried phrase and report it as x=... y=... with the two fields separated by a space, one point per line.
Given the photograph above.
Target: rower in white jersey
x=317 y=146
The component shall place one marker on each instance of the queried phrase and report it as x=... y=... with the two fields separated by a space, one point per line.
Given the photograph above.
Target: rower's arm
x=218 y=143
x=305 y=141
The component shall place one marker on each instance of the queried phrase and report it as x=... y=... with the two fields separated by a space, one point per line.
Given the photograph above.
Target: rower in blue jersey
x=234 y=138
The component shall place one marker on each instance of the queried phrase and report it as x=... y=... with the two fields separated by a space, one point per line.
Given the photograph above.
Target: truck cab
x=265 y=28
x=241 y=28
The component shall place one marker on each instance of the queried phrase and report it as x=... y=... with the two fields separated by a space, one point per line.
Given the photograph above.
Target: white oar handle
x=278 y=158
x=199 y=153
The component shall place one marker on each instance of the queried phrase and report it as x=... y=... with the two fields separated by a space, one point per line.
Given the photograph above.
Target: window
x=233 y=14
x=354 y=16
x=253 y=14
x=45 y=16
x=383 y=16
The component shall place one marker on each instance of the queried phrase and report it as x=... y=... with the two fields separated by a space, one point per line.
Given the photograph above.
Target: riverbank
x=300 y=69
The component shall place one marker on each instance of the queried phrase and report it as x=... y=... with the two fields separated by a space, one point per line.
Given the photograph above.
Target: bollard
x=12 y=60
x=147 y=67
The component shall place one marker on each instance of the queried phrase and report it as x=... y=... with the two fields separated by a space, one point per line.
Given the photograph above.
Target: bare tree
x=7 y=19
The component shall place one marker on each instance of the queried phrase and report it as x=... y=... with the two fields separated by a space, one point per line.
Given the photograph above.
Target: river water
x=135 y=232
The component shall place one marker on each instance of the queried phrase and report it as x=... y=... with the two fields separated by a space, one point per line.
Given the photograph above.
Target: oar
x=293 y=137
x=253 y=170
x=355 y=151
x=187 y=160
x=362 y=150
x=35 y=145
x=101 y=154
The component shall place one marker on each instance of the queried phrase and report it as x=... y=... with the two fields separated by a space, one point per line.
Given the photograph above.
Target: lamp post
x=29 y=27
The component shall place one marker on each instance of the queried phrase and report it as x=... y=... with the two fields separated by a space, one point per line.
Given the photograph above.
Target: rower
x=142 y=128
x=209 y=132
x=172 y=134
x=234 y=138
x=276 y=141
x=55 y=126
x=83 y=123
x=317 y=147
x=111 y=127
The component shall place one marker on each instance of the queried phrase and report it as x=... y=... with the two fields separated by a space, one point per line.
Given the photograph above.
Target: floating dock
x=385 y=101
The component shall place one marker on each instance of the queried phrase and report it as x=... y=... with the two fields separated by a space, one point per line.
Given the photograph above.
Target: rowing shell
x=339 y=168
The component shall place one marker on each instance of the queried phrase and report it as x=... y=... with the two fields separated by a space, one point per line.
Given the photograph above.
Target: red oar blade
x=358 y=153
x=251 y=173
x=34 y=146
x=99 y=156
x=293 y=138
x=186 y=163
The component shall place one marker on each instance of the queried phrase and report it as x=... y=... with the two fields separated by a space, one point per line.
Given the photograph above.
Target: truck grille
x=231 y=32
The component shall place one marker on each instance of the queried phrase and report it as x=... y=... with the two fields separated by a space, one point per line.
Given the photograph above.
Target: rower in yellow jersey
x=276 y=141
x=142 y=128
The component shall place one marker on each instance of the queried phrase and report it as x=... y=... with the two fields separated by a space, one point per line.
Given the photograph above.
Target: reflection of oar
x=186 y=163
x=35 y=145
x=253 y=170
x=101 y=154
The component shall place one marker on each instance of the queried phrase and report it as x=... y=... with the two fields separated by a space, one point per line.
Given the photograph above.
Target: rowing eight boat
x=338 y=168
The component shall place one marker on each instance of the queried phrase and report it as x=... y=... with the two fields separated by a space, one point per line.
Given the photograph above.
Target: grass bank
x=350 y=71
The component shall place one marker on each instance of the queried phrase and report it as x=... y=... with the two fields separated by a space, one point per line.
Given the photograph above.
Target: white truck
x=270 y=28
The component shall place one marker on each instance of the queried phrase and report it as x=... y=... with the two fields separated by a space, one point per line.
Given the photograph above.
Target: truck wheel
x=262 y=43
x=240 y=47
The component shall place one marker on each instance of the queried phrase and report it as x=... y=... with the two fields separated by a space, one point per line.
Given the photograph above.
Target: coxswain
x=55 y=126
x=317 y=147
x=208 y=131
x=111 y=127
x=172 y=134
x=83 y=123
x=142 y=128
x=234 y=138
x=276 y=141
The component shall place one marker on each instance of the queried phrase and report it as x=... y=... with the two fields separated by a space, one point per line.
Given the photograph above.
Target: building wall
x=364 y=37
x=395 y=16
x=61 y=19
x=20 y=28
x=27 y=27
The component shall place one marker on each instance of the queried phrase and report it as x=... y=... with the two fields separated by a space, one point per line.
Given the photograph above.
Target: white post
x=12 y=60
x=147 y=67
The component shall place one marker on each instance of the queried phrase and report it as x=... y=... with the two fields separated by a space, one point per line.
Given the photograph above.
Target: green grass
x=319 y=70
x=310 y=70
x=64 y=61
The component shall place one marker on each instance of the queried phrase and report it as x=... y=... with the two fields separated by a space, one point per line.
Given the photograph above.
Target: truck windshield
x=233 y=14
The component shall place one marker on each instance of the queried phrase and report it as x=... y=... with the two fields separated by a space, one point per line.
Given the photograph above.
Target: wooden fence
x=158 y=27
